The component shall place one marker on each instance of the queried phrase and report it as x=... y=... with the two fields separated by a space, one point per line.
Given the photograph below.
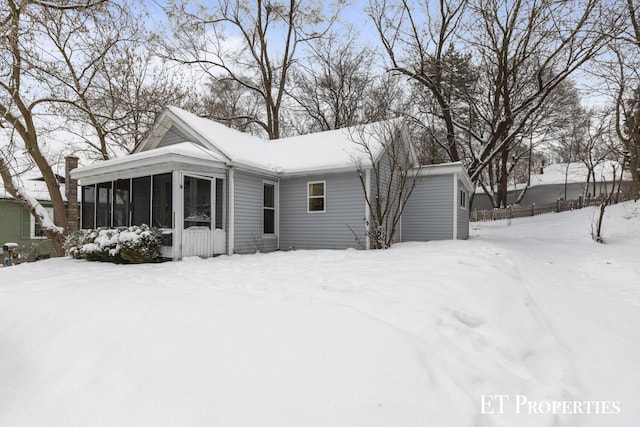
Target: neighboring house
x=215 y=190
x=560 y=181
x=17 y=225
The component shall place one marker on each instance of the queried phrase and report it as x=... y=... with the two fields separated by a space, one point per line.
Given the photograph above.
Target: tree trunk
x=56 y=234
x=598 y=237
x=503 y=179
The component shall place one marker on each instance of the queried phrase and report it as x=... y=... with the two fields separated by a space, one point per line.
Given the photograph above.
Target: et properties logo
x=520 y=404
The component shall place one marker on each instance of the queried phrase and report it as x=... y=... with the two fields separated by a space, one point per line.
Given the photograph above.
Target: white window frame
x=462 y=199
x=324 y=196
x=33 y=224
x=276 y=221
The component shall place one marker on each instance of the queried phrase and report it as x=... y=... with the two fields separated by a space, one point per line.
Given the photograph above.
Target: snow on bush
x=133 y=245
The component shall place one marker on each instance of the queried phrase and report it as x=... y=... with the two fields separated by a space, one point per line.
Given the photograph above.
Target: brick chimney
x=71 y=191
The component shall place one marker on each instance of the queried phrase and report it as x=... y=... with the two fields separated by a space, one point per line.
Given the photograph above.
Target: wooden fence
x=536 y=209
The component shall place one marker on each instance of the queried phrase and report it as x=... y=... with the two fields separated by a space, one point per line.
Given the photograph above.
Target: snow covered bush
x=75 y=241
x=133 y=245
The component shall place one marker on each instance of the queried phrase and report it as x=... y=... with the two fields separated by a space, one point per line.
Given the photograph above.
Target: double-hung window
x=463 y=199
x=269 y=209
x=36 y=229
x=316 y=196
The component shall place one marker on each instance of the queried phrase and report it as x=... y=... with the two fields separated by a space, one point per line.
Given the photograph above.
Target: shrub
x=133 y=245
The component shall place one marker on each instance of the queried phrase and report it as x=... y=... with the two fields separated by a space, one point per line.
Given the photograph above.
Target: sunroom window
x=162 y=203
x=88 y=206
x=103 y=207
x=219 y=203
x=121 y=203
x=197 y=202
x=144 y=200
x=141 y=200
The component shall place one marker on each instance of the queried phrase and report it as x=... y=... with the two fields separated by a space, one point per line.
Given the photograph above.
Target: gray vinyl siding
x=249 y=199
x=173 y=136
x=387 y=185
x=344 y=208
x=428 y=214
x=463 y=215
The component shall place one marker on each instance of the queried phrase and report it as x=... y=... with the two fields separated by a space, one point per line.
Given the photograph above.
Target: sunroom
x=180 y=189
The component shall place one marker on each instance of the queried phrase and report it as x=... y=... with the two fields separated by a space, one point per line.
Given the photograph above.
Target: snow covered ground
x=424 y=334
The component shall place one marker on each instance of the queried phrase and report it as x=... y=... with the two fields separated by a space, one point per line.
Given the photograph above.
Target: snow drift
x=412 y=336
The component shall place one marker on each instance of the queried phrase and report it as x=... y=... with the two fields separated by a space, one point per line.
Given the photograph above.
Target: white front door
x=202 y=234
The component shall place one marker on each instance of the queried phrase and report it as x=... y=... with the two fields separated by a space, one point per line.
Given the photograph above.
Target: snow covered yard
x=420 y=335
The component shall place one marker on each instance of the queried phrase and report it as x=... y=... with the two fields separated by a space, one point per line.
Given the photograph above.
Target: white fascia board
x=202 y=139
x=131 y=169
x=323 y=171
x=156 y=133
x=245 y=167
x=168 y=119
x=445 y=169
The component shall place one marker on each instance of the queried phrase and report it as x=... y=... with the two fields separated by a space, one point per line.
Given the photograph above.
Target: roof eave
x=445 y=169
x=102 y=169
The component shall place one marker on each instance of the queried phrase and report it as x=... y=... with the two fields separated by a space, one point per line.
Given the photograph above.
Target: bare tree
x=627 y=114
x=417 y=38
x=252 y=44
x=340 y=85
x=229 y=101
x=526 y=53
x=67 y=66
x=522 y=50
x=19 y=104
x=619 y=80
x=598 y=145
x=102 y=78
x=387 y=180
x=555 y=127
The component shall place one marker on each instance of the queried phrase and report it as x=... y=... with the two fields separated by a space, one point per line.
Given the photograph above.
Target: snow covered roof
x=572 y=173
x=185 y=151
x=576 y=172
x=34 y=187
x=323 y=151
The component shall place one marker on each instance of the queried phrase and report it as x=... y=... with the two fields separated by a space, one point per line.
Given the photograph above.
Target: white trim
x=462 y=192
x=179 y=122
x=185 y=153
x=178 y=213
x=324 y=196
x=231 y=204
x=445 y=169
x=455 y=206
x=367 y=210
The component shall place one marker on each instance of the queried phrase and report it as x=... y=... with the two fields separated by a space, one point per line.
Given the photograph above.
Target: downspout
x=455 y=206
x=367 y=210
x=232 y=222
